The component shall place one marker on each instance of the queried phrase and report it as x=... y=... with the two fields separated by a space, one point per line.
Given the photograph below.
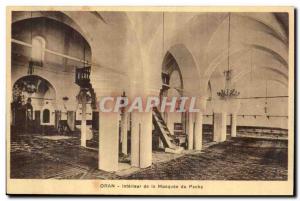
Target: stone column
x=83 y=118
x=146 y=140
x=219 y=132
x=233 y=125
x=108 y=141
x=135 y=139
x=124 y=130
x=198 y=131
x=191 y=131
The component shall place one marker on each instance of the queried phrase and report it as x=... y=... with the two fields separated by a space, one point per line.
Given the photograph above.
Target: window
x=38 y=50
x=46 y=116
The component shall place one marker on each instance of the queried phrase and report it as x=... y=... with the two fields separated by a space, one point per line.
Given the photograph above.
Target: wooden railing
x=82 y=76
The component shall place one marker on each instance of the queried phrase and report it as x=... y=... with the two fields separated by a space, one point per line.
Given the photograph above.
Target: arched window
x=46 y=116
x=38 y=50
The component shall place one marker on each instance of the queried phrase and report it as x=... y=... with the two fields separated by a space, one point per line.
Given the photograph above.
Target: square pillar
x=141 y=139
x=108 y=141
x=191 y=131
x=146 y=140
x=198 y=131
x=124 y=132
x=233 y=125
x=135 y=139
x=219 y=132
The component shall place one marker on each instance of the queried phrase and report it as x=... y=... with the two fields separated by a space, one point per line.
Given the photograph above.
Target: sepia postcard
x=150 y=101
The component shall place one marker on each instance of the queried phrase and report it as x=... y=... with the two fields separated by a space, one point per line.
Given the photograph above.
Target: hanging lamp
x=227 y=92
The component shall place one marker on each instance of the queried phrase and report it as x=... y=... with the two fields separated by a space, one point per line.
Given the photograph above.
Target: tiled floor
x=63 y=158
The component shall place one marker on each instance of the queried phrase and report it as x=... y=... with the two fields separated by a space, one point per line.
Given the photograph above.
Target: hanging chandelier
x=228 y=92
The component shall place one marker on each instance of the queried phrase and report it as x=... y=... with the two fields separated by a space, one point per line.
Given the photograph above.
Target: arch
x=250 y=24
x=57 y=16
x=42 y=85
x=264 y=73
x=267 y=27
x=266 y=60
x=262 y=69
x=48 y=109
x=170 y=74
x=242 y=51
x=272 y=54
x=39 y=91
x=105 y=69
x=189 y=72
x=274 y=50
x=68 y=30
